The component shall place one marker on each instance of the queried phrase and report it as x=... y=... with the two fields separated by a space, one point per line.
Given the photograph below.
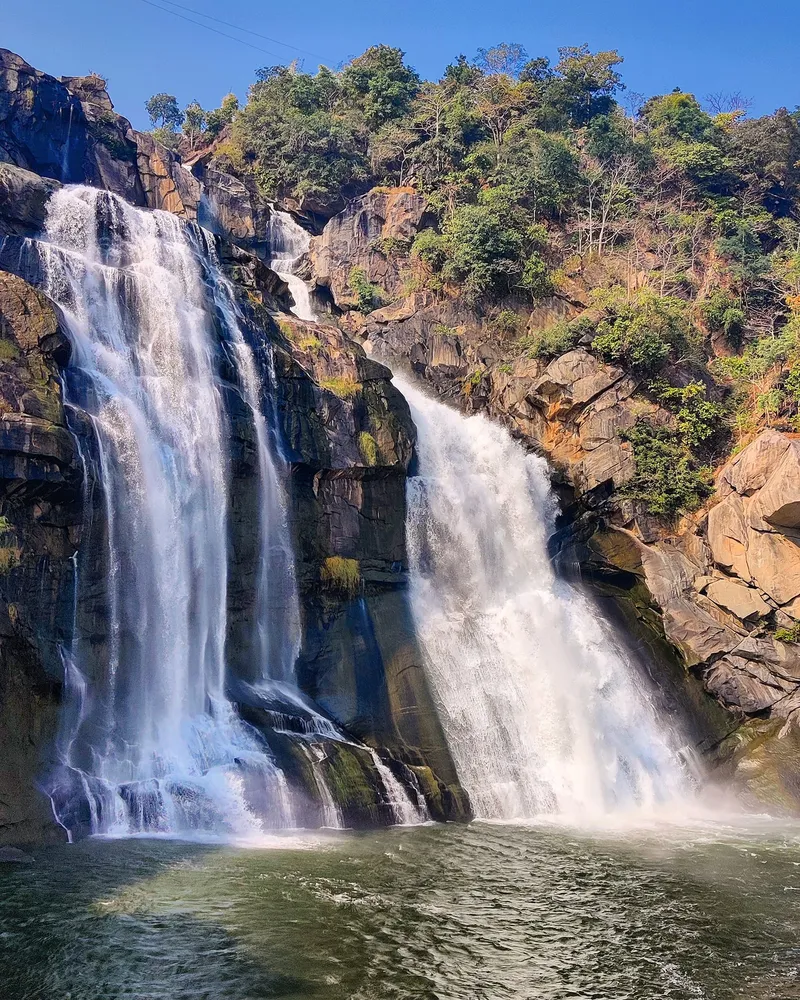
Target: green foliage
x=761 y=357
x=472 y=381
x=723 y=313
x=343 y=386
x=697 y=417
x=667 y=480
x=166 y=136
x=217 y=119
x=340 y=575
x=299 y=136
x=368 y=295
x=379 y=85
x=194 y=122
x=9 y=351
x=790 y=634
x=554 y=340
x=640 y=332
x=164 y=112
x=507 y=323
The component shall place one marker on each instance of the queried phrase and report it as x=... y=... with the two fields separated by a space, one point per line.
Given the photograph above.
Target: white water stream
x=543 y=712
x=288 y=244
x=150 y=735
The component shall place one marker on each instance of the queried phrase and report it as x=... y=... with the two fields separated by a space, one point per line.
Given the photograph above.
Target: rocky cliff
x=710 y=599
x=345 y=431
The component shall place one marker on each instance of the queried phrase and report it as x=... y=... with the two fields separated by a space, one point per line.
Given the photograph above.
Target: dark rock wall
x=42 y=518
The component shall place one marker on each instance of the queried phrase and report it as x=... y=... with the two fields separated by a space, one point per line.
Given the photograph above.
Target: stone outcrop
x=368 y=235
x=349 y=436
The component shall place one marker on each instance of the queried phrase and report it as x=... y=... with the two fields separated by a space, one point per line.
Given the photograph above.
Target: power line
x=247 y=31
x=208 y=27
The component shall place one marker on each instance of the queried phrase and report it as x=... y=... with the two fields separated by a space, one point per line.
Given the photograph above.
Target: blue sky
x=699 y=45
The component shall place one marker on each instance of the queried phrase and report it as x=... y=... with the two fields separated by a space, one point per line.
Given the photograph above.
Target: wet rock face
x=349 y=436
x=40 y=494
x=42 y=126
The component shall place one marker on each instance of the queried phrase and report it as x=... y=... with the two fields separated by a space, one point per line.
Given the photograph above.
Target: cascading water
x=288 y=243
x=150 y=740
x=159 y=747
x=543 y=713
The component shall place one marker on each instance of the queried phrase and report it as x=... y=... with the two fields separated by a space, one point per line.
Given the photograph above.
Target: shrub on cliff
x=668 y=480
x=642 y=331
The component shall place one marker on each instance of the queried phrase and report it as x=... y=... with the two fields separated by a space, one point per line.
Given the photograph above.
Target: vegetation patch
x=368 y=295
x=341 y=575
x=343 y=386
x=790 y=634
x=368 y=447
x=668 y=480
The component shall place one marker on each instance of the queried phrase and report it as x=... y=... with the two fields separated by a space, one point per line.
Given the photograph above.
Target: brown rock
x=778 y=501
x=166 y=184
x=727 y=536
x=753 y=466
x=740 y=600
x=363 y=236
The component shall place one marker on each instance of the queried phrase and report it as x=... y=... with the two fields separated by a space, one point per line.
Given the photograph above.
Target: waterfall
x=288 y=243
x=543 y=712
x=150 y=739
x=157 y=744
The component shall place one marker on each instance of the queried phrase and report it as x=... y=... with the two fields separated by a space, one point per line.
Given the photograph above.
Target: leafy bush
x=790 y=634
x=640 y=332
x=723 y=313
x=369 y=296
x=343 y=386
x=667 y=480
x=554 y=340
x=697 y=417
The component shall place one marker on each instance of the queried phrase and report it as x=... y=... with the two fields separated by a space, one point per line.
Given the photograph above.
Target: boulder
x=778 y=501
x=739 y=599
x=23 y=200
x=167 y=185
x=727 y=536
x=751 y=468
x=753 y=532
x=698 y=636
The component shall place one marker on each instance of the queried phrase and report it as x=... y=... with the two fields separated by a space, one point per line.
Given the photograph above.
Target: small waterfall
x=543 y=712
x=288 y=243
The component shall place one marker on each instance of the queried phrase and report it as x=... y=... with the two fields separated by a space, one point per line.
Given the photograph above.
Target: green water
x=435 y=912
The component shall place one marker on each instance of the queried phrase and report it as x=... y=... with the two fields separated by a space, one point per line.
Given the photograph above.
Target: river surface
x=478 y=913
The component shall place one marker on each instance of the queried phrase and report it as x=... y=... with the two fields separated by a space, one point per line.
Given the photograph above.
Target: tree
x=194 y=121
x=164 y=112
x=586 y=82
x=379 y=85
x=507 y=59
x=499 y=103
x=223 y=115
